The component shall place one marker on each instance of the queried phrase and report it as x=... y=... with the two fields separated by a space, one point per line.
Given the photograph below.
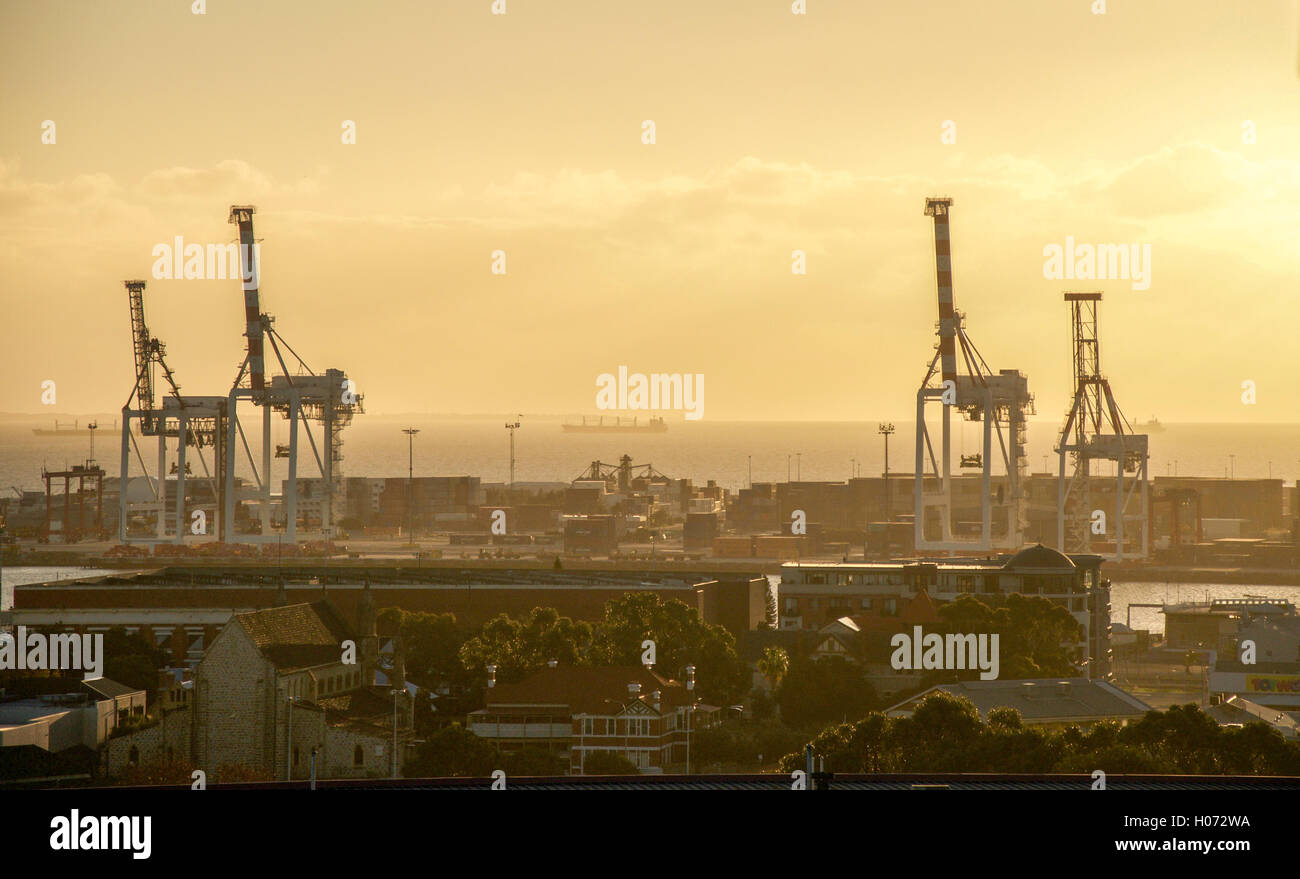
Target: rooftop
x=600 y=690
x=1043 y=700
x=297 y=635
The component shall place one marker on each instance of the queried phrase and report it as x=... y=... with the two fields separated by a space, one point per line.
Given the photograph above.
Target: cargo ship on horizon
x=618 y=424
x=64 y=430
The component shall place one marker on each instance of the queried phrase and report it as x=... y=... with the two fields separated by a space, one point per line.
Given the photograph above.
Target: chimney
x=633 y=690
x=655 y=697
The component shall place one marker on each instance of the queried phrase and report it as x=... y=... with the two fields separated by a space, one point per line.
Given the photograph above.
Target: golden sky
x=774 y=132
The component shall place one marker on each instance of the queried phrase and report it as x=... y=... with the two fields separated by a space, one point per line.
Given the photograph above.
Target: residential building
x=575 y=711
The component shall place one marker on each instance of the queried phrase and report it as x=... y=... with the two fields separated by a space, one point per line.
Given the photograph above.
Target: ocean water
x=724 y=451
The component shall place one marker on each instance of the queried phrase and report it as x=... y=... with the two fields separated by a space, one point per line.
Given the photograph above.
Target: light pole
x=512 y=426
x=798 y=466
x=410 y=481
x=886 y=430
x=787 y=468
x=751 y=470
x=395 y=692
x=690 y=709
x=288 y=757
x=853 y=467
x=1232 y=466
x=492 y=682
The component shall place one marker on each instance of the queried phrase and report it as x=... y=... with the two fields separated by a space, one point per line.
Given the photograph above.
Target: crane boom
x=242 y=216
x=939 y=208
x=143 y=352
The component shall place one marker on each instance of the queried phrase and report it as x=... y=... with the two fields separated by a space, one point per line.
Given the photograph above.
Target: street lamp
x=395 y=692
x=492 y=682
x=288 y=757
x=690 y=709
x=410 y=481
x=512 y=426
x=886 y=430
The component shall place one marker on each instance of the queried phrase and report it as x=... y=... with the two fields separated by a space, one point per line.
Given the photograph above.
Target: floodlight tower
x=1000 y=400
x=512 y=426
x=1096 y=430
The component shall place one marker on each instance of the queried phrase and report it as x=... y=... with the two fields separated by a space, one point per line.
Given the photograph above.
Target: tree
x=1030 y=629
x=770 y=617
x=453 y=751
x=132 y=660
x=608 y=763
x=818 y=691
x=939 y=735
x=681 y=638
x=773 y=664
x=520 y=647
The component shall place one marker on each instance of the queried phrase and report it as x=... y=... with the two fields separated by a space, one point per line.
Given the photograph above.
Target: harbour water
x=701 y=450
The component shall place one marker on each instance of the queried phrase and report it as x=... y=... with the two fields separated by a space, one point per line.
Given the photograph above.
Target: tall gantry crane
x=187 y=423
x=305 y=397
x=1000 y=400
x=1096 y=431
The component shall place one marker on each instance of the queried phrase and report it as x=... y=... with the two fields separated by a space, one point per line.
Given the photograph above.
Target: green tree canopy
x=520 y=647
x=818 y=691
x=681 y=638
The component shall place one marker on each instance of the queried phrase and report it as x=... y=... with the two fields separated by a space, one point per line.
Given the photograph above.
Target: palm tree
x=773 y=664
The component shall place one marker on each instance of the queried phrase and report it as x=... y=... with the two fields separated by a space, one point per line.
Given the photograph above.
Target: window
x=889 y=607
x=866 y=604
x=358 y=756
x=587 y=726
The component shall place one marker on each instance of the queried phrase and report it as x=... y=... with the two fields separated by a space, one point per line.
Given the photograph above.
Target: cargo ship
x=75 y=430
x=1152 y=426
x=615 y=424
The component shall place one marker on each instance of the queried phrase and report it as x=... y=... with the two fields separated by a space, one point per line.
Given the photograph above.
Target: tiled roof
x=297 y=635
x=586 y=689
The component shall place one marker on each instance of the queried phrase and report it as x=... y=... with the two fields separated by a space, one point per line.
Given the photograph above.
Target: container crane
x=1000 y=400
x=328 y=399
